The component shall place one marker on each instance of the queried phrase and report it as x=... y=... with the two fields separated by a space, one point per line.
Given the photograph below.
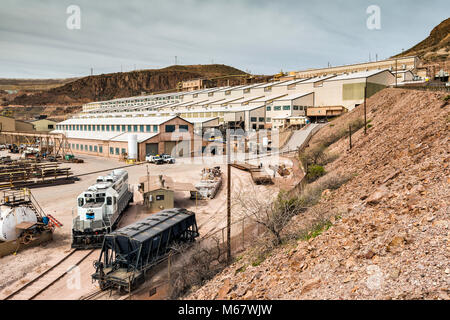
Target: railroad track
x=45 y=280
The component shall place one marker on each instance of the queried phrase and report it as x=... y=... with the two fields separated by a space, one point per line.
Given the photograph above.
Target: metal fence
x=426 y=88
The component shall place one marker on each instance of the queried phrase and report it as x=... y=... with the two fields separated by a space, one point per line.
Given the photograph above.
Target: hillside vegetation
x=382 y=231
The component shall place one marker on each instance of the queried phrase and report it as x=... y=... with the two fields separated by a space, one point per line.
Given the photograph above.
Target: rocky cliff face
x=118 y=85
x=389 y=237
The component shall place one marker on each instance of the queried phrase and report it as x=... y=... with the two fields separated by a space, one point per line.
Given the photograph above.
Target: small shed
x=159 y=192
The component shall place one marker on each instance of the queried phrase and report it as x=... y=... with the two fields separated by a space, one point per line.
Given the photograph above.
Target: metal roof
x=294 y=96
x=124 y=120
x=290 y=82
x=269 y=98
x=358 y=75
x=316 y=79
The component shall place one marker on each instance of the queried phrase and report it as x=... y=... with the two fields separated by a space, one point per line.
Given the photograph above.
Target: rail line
x=49 y=277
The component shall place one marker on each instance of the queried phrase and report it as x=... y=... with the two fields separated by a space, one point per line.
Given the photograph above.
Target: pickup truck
x=167 y=158
x=154 y=159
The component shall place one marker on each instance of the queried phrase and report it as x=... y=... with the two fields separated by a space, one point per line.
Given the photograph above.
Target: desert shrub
x=314 y=172
x=194 y=266
x=272 y=214
x=446 y=98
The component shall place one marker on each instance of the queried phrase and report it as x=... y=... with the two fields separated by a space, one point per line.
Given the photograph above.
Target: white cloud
x=262 y=36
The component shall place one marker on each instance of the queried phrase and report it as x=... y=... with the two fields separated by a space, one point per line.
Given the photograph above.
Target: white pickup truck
x=167 y=158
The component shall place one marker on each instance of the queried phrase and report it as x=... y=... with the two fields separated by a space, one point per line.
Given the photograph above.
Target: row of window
x=278 y=108
x=107 y=128
x=121 y=128
x=97 y=149
x=260 y=119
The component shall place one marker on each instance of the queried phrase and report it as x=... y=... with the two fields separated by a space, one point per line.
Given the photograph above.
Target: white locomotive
x=100 y=208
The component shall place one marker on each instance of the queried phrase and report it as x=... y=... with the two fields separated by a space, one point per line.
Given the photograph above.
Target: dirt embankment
x=390 y=222
x=127 y=84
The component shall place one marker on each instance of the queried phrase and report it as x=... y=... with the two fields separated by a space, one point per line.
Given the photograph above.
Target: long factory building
x=103 y=128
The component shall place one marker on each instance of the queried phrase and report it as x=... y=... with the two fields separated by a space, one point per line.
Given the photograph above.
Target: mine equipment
x=129 y=253
x=100 y=208
x=23 y=223
x=209 y=184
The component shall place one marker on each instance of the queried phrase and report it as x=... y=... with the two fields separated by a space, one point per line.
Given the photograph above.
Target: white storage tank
x=10 y=217
x=132 y=146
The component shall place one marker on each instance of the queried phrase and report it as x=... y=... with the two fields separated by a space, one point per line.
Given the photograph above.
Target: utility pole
x=92 y=71
x=396 y=70
x=175 y=60
x=350 y=135
x=228 y=197
x=365 y=108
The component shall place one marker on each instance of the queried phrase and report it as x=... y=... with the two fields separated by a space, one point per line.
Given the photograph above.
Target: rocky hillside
x=388 y=230
x=126 y=84
x=436 y=47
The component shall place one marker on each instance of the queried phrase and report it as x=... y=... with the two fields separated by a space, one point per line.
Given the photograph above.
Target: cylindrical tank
x=132 y=146
x=10 y=217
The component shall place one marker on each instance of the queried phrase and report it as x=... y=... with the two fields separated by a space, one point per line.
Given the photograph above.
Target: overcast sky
x=259 y=36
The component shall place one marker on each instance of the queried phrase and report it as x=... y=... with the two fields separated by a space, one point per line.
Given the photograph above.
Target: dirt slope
x=126 y=84
x=390 y=232
x=436 y=47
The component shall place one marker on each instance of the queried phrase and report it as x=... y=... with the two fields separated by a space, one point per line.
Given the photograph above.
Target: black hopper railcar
x=129 y=253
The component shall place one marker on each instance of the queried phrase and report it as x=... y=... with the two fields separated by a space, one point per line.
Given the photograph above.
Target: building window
x=98 y=127
x=123 y=128
x=170 y=128
x=111 y=150
x=129 y=128
x=261 y=119
x=268 y=119
x=50 y=126
x=286 y=107
x=124 y=151
x=277 y=108
x=135 y=128
x=95 y=149
x=141 y=128
x=100 y=149
x=103 y=127
x=269 y=108
x=155 y=128
x=93 y=128
x=159 y=197
x=90 y=148
x=112 y=128
x=253 y=119
x=147 y=128
x=117 y=151
x=184 y=128
x=295 y=107
x=107 y=127
x=81 y=147
x=85 y=147
x=78 y=146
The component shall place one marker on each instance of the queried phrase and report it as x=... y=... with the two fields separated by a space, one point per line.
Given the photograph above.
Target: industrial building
x=44 y=125
x=105 y=127
x=11 y=124
x=111 y=136
x=411 y=63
